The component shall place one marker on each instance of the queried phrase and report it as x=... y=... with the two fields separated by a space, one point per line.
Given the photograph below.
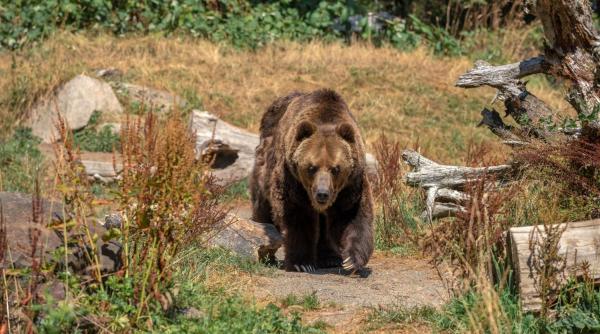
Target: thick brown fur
x=309 y=180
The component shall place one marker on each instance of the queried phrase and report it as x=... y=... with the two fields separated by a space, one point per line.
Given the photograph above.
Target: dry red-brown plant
x=168 y=199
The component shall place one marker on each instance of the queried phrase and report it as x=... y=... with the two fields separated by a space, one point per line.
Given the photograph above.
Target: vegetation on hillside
x=252 y=24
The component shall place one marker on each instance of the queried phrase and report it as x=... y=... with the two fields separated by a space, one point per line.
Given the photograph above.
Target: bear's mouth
x=321 y=204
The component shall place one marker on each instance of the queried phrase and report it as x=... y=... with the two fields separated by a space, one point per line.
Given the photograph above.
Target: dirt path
x=394 y=281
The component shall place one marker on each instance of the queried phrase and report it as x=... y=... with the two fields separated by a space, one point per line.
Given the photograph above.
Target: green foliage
x=380 y=317
x=221 y=311
x=577 y=311
x=234 y=21
x=241 y=23
x=225 y=312
x=309 y=302
x=237 y=191
x=440 y=40
x=60 y=317
x=94 y=140
x=20 y=161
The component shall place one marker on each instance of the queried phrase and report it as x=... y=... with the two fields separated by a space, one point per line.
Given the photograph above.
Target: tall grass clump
x=74 y=187
x=571 y=170
x=557 y=185
x=396 y=210
x=473 y=240
x=167 y=200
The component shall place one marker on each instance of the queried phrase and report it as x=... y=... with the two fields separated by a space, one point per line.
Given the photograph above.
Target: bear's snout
x=322 y=196
x=322 y=190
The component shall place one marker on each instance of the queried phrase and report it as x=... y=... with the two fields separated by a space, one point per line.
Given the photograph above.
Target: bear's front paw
x=306 y=268
x=353 y=261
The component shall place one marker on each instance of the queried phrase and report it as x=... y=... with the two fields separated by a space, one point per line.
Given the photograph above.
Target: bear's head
x=323 y=160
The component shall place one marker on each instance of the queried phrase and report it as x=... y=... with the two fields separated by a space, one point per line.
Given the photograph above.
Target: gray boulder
x=76 y=101
x=247 y=238
x=18 y=221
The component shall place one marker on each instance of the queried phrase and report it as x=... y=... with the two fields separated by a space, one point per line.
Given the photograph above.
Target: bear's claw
x=348 y=264
x=305 y=268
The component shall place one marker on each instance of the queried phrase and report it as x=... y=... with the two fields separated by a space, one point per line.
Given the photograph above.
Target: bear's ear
x=346 y=131
x=305 y=130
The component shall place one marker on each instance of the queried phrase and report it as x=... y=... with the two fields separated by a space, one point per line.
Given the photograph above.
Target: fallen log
x=578 y=247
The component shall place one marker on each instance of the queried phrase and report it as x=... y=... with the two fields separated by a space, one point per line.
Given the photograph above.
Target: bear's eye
x=335 y=170
x=312 y=169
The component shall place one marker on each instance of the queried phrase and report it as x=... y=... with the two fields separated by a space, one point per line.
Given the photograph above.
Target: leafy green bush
x=20 y=161
x=241 y=23
x=97 y=140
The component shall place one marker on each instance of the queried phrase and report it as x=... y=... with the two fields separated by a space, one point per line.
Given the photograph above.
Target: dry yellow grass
x=409 y=96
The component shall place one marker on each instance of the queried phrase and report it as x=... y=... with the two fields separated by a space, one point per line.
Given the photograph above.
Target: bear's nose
x=322 y=196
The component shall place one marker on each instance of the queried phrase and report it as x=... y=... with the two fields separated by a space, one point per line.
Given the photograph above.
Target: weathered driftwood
x=572 y=53
x=578 y=247
x=574 y=50
x=235 y=158
x=500 y=76
x=445 y=184
x=525 y=108
x=102 y=170
x=429 y=174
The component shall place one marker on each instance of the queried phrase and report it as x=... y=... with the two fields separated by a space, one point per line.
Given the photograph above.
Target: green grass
x=308 y=302
x=20 y=161
x=222 y=310
x=237 y=191
x=577 y=310
x=226 y=311
x=400 y=315
x=95 y=139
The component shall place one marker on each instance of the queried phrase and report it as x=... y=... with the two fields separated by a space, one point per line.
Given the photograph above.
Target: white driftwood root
x=579 y=245
x=501 y=76
x=208 y=127
x=445 y=184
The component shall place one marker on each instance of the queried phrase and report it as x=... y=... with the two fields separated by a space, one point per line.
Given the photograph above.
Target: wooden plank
x=579 y=244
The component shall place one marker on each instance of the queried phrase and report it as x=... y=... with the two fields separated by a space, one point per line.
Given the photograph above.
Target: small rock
x=247 y=238
x=108 y=73
x=113 y=220
x=152 y=99
x=193 y=313
x=100 y=167
x=76 y=101
x=56 y=290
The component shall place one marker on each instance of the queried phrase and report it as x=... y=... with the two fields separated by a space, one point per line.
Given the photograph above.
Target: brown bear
x=309 y=180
